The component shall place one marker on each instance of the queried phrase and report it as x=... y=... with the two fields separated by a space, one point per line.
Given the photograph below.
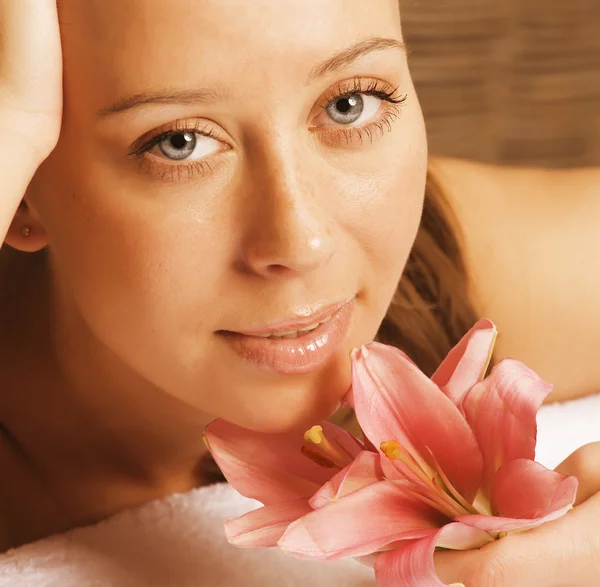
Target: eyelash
x=173 y=172
x=377 y=89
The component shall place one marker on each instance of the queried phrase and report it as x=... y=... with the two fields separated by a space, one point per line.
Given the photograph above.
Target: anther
x=317 y=437
x=316 y=457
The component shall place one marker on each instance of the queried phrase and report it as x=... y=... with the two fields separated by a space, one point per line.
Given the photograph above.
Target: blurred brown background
x=508 y=81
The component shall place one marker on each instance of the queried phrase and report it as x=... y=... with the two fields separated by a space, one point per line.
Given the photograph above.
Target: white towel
x=175 y=542
x=179 y=541
x=564 y=427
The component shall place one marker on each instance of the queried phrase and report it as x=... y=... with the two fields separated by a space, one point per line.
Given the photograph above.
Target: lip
x=294 y=356
x=297 y=323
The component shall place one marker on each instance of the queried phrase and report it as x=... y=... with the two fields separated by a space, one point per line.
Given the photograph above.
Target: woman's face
x=217 y=175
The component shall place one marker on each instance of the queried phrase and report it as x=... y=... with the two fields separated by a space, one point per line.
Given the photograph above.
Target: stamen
x=446 y=486
x=481 y=504
x=316 y=436
x=394 y=451
x=316 y=457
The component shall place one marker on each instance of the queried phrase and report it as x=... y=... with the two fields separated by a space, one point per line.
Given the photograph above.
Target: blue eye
x=347 y=109
x=182 y=144
x=178 y=146
x=359 y=104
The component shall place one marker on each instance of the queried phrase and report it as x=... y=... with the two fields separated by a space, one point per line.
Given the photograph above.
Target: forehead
x=116 y=47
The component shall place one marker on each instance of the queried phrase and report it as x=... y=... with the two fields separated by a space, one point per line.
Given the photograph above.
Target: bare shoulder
x=532 y=246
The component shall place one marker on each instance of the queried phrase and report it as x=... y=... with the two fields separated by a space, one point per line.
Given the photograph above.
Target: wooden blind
x=508 y=81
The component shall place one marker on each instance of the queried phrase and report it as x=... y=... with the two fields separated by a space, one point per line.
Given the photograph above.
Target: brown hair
x=430 y=311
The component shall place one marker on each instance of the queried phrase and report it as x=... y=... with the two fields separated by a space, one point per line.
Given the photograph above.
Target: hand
x=30 y=96
x=563 y=553
x=30 y=75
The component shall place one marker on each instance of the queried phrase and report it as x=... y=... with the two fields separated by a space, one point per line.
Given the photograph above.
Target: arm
x=30 y=96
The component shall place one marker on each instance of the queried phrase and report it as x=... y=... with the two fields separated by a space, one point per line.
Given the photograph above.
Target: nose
x=288 y=225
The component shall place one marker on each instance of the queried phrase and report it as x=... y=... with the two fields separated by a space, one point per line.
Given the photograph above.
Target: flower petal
x=271 y=467
x=263 y=527
x=526 y=494
x=467 y=362
x=364 y=470
x=526 y=489
x=499 y=524
x=394 y=400
x=502 y=412
x=412 y=563
x=360 y=524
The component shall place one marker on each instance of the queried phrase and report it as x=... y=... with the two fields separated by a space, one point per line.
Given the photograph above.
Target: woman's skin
x=113 y=357
x=532 y=247
x=285 y=210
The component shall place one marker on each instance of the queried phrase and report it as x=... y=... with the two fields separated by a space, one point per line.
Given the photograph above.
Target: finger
x=457 y=568
x=584 y=464
x=518 y=560
x=538 y=556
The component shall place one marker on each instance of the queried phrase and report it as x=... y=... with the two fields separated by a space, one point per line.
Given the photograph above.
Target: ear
x=26 y=233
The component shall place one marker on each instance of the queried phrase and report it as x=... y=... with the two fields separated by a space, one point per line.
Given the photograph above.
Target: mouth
x=303 y=321
x=296 y=346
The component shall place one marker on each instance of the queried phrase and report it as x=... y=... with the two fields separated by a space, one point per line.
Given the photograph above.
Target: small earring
x=26 y=231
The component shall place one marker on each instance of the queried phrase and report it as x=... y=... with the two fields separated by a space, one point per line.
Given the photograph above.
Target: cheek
x=385 y=211
x=149 y=274
x=384 y=216
x=143 y=274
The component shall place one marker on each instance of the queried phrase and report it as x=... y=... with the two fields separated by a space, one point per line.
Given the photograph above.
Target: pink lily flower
x=446 y=462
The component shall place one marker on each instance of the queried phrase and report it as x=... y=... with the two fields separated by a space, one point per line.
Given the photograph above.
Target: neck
x=100 y=437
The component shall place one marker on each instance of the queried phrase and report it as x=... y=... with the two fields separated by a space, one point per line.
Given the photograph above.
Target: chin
x=292 y=415
x=276 y=405
x=297 y=424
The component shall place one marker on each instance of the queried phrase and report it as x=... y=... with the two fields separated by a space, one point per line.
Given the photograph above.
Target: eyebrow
x=334 y=64
x=351 y=54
